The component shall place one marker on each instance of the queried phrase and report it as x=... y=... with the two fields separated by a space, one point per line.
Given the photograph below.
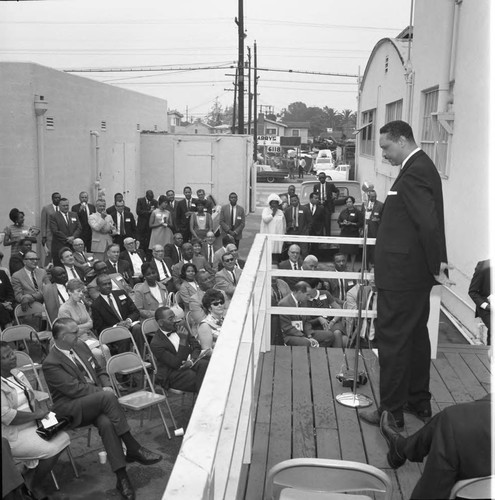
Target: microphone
x=367 y=187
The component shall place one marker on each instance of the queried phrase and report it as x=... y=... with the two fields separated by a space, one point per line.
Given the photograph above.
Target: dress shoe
x=125 y=487
x=391 y=435
x=423 y=414
x=144 y=457
x=373 y=418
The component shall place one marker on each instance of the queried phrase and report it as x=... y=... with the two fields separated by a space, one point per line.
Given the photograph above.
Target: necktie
x=122 y=228
x=74 y=275
x=188 y=205
x=323 y=191
x=80 y=367
x=342 y=289
x=35 y=283
x=294 y=264
x=114 y=307
x=313 y=208
x=210 y=254
x=84 y=257
x=66 y=219
x=165 y=269
x=232 y=219
x=233 y=277
x=179 y=253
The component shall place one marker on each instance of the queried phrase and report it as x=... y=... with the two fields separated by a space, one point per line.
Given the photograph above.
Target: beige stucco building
x=439 y=83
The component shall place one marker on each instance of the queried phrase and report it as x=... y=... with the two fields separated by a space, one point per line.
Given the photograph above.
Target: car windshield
x=323 y=160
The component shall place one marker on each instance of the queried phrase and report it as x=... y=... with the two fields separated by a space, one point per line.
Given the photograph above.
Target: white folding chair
x=478 y=487
x=144 y=397
x=19 y=334
x=26 y=364
x=318 y=479
x=117 y=333
x=33 y=316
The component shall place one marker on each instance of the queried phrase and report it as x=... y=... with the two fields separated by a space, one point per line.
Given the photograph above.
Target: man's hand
x=26 y=301
x=181 y=330
x=108 y=389
x=442 y=277
x=313 y=342
x=7 y=305
x=186 y=364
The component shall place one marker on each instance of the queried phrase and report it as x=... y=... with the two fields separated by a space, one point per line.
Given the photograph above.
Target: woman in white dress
x=273 y=221
x=160 y=222
x=102 y=227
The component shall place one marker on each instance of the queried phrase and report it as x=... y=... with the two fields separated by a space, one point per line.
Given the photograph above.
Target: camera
x=346 y=377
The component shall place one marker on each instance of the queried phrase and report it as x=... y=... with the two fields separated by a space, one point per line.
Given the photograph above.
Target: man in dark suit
x=115 y=308
x=81 y=390
x=176 y=352
x=294 y=263
x=232 y=219
x=480 y=292
x=117 y=265
x=328 y=196
x=410 y=258
x=83 y=210
x=135 y=257
x=174 y=250
x=209 y=248
x=144 y=207
x=372 y=212
x=116 y=198
x=183 y=211
x=456 y=441
x=69 y=264
x=16 y=261
x=65 y=227
x=340 y=286
x=298 y=221
x=125 y=224
x=46 y=234
x=55 y=294
x=317 y=219
x=7 y=300
x=163 y=267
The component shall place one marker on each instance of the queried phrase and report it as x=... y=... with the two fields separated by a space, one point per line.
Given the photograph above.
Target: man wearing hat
x=133 y=255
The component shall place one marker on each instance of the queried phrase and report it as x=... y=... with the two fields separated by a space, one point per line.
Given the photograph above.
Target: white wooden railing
x=216 y=448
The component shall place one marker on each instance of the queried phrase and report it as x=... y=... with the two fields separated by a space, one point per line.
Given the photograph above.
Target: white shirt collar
x=409 y=156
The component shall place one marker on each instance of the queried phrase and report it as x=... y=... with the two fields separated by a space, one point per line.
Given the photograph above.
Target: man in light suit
x=65 y=228
x=176 y=352
x=144 y=207
x=83 y=210
x=228 y=278
x=481 y=295
x=46 y=234
x=232 y=219
x=217 y=257
x=410 y=258
x=294 y=263
x=82 y=391
x=28 y=282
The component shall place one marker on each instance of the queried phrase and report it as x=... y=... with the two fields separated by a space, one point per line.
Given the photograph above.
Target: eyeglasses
x=218 y=303
x=228 y=260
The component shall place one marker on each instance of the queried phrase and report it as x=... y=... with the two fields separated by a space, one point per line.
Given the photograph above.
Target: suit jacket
x=410 y=243
x=337 y=292
x=239 y=223
x=146 y=302
x=282 y=290
x=6 y=295
x=105 y=317
x=330 y=188
x=52 y=301
x=46 y=211
x=168 y=359
x=101 y=232
x=171 y=252
x=225 y=282
x=126 y=257
x=67 y=384
x=204 y=251
x=22 y=284
x=123 y=268
x=143 y=211
x=304 y=220
x=217 y=258
x=61 y=231
x=129 y=226
x=286 y=264
x=317 y=220
x=16 y=262
x=480 y=288
x=180 y=217
x=375 y=217
x=83 y=218
x=170 y=284
x=111 y=210
x=82 y=263
x=289 y=329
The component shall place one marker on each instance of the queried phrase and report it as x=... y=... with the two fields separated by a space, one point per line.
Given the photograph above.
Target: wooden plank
x=484 y=359
x=257 y=469
x=280 y=443
x=480 y=371
x=438 y=389
x=464 y=348
x=303 y=436
x=327 y=438
x=452 y=381
x=350 y=437
x=467 y=377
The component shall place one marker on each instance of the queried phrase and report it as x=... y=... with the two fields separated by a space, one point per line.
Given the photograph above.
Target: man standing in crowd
x=144 y=207
x=46 y=235
x=372 y=211
x=232 y=219
x=65 y=228
x=183 y=213
x=125 y=224
x=480 y=293
x=328 y=196
x=83 y=210
x=410 y=258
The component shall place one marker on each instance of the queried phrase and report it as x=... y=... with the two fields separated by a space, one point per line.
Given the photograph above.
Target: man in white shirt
x=163 y=266
x=68 y=262
x=134 y=256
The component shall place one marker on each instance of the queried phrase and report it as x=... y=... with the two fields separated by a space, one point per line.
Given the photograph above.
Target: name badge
x=300 y=211
x=128 y=220
x=239 y=218
x=73 y=219
x=392 y=193
x=193 y=204
x=351 y=283
x=297 y=324
x=122 y=297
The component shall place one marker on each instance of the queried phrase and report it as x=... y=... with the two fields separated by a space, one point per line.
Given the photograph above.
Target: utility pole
x=255 y=133
x=240 y=66
x=250 y=96
x=235 y=103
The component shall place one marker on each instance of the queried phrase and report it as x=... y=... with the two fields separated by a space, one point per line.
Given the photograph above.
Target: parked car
x=265 y=173
x=338 y=173
x=346 y=188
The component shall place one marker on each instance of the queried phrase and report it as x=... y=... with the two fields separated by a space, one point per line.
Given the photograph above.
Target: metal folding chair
x=478 y=487
x=33 y=316
x=117 y=333
x=318 y=478
x=26 y=364
x=20 y=334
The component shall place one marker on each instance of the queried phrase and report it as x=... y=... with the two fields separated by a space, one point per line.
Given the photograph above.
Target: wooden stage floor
x=297 y=414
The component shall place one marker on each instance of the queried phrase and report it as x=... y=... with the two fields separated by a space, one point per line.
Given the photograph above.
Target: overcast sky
x=327 y=36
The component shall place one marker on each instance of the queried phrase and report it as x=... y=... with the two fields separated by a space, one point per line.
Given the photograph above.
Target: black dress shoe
x=125 y=487
x=373 y=418
x=144 y=457
x=423 y=414
x=391 y=434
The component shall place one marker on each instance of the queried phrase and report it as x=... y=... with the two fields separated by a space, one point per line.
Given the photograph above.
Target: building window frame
x=367 y=132
x=295 y=132
x=271 y=131
x=393 y=111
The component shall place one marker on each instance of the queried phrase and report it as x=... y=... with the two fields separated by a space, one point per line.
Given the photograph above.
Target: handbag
x=48 y=433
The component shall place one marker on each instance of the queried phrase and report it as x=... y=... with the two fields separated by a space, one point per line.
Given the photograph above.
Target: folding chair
x=146 y=397
x=318 y=479
x=171 y=299
x=25 y=364
x=116 y=333
x=20 y=334
x=33 y=316
x=478 y=487
x=191 y=326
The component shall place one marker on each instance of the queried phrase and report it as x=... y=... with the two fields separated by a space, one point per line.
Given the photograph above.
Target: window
x=386 y=64
x=138 y=127
x=434 y=138
x=271 y=131
x=368 y=132
x=50 y=123
x=393 y=111
x=295 y=133
x=103 y=126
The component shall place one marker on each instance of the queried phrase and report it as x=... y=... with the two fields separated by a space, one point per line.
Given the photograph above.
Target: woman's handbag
x=48 y=433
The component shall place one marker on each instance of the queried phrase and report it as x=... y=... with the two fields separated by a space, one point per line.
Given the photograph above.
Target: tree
x=215 y=115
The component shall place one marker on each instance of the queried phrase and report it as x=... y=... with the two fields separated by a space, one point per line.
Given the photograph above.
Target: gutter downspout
x=409 y=71
x=40 y=108
x=97 y=163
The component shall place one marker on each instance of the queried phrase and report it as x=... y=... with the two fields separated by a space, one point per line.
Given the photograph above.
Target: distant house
x=174 y=120
x=298 y=129
x=442 y=90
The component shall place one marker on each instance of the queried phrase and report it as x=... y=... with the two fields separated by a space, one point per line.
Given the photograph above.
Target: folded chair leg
x=170 y=412
x=55 y=480
x=164 y=422
x=72 y=462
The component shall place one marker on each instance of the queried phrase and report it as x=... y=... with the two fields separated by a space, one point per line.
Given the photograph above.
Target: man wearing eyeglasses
x=28 y=282
x=228 y=278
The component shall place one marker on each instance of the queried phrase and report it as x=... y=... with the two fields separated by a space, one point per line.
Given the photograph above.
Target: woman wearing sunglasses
x=209 y=329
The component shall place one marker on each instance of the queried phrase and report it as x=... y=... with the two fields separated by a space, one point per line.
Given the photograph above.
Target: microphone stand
x=353 y=399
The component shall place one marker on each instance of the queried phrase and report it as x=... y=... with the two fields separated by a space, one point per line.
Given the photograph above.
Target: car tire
x=270 y=179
